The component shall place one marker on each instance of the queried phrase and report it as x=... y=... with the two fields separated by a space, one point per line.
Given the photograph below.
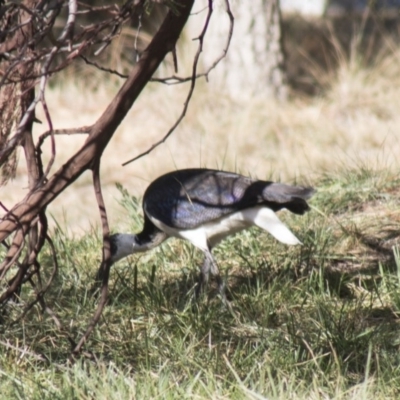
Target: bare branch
x=42 y=289
x=104 y=128
x=69 y=26
x=29 y=63
x=69 y=131
x=13 y=252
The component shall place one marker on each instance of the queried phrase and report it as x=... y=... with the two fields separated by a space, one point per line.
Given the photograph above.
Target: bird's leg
x=210 y=266
x=220 y=282
x=204 y=275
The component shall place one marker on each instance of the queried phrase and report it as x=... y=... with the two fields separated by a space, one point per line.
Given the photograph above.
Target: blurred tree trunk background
x=254 y=64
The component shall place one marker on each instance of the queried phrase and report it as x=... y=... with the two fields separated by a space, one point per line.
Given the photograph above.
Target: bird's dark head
x=122 y=245
x=125 y=244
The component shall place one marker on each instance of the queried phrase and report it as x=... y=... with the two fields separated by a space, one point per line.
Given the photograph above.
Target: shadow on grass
x=310 y=301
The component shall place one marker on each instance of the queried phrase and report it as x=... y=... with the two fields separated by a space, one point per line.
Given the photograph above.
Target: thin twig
x=43 y=82
x=193 y=77
x=101 y=68
x=86 y=37
x=12 y=255
x=174 y=79
x=106 y=261
x=190 y=93
x=68 y=131
x=32 y=260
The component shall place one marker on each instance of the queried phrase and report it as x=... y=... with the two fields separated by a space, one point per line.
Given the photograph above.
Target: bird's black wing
x=185 y=199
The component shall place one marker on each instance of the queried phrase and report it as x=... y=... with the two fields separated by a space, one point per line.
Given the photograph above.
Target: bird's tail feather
x=293 y=198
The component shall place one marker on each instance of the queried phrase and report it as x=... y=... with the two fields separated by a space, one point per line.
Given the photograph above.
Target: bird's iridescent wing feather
x=186 y=199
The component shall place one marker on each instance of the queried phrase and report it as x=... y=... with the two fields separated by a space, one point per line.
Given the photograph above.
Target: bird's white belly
x=211 y=233
x=208 y=234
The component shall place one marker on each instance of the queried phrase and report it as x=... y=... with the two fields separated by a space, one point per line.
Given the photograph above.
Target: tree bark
x=254 y=64
x=16 y=98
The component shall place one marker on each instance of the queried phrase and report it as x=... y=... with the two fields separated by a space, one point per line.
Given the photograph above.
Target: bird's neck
x=147 y=240
x=125 y=244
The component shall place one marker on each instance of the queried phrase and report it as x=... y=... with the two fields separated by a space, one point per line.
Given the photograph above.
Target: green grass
x=312 y=322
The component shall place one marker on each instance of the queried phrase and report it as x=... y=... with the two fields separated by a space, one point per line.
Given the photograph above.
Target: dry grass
x=356 y=122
